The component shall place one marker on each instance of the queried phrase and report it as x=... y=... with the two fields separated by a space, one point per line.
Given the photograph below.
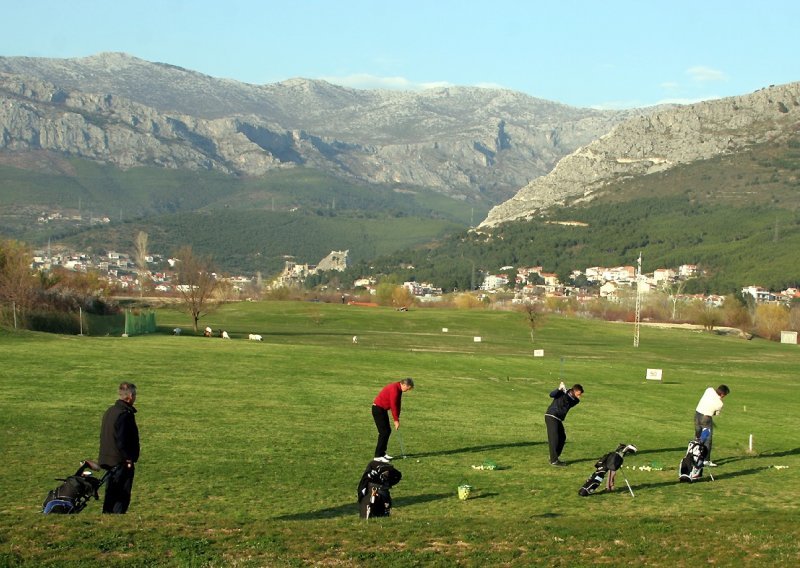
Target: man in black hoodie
x=563 y=400
x=119 y=449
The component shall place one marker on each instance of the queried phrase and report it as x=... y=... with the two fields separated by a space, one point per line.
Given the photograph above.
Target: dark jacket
x=119 y=435
x=562 y=402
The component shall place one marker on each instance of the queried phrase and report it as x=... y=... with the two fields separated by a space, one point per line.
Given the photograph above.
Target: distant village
x=521 y=284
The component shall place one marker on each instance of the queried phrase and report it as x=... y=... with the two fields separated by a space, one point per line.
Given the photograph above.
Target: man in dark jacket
x=563 y=400
x=119 y=449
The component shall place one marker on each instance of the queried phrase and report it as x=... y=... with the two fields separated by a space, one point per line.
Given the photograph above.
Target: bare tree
x=534 y=316
x=18 y=286
x=674 y=291
x=196 y=284
x=140 y=257
x=710 y=317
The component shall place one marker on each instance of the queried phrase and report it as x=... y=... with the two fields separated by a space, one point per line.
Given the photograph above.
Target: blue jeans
x=704 y=421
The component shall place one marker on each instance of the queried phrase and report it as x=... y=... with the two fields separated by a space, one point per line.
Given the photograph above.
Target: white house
x=758 y=293
x=687 y=270
x=663 y=275
x=494 y=281
x=609 y=291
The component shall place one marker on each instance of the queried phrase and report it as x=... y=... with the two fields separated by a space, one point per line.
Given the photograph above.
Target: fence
x=140 y=322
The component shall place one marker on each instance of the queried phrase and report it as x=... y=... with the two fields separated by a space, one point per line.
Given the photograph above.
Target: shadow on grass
x=481 y=496
x=350 y=509
x=681 y=449
x=763 y=455
x=547 y=516
x=706 y=478
x=473 y=449
x=793 y=452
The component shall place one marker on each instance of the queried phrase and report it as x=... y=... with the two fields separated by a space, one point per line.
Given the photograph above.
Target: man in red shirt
x=388 y=399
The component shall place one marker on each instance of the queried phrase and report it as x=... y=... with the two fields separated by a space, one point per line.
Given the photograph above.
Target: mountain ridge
x=656 y=142
x=466 y=142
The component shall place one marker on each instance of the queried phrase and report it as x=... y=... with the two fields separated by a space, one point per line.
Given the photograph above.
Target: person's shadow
x=706 y=479
x=474 y=449
x=348 y=509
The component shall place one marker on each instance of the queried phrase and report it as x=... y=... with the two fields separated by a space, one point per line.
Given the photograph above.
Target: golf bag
x=72 y=496
x=606 y=468
x=374 y=498
x=691 y=466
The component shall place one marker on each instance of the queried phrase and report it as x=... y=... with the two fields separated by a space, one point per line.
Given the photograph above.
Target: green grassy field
x=251 y=452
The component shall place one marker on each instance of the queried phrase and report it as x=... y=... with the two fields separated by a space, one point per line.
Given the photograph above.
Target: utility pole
x=638 y=301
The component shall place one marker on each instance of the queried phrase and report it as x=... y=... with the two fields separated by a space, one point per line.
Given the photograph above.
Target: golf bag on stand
x=72 y=496
x=606 y=466
x=374 y=498
x=691 y=466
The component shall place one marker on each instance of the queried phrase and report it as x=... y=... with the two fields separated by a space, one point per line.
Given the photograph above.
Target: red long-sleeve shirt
x=390 y=398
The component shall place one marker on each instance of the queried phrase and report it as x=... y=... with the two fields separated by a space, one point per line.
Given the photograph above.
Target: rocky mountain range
x=656 y=142
x=468 y=143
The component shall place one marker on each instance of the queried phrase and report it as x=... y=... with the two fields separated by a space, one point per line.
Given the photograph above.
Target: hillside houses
x=527 y=284
x=613 y=284
x=424 y=291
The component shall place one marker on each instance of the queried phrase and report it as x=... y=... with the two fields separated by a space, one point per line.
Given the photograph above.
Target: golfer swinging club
x=388 y=399
x=563 y=400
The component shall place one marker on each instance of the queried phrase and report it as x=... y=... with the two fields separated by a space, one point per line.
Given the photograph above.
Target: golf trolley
x=72 y=496
x=606 y=467
x=691 y=466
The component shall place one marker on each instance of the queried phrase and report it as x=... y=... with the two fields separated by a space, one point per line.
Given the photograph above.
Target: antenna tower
x=638 y=301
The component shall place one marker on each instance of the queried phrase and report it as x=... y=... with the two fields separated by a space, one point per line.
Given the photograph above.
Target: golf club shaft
x=628 y=484
x=402 y=446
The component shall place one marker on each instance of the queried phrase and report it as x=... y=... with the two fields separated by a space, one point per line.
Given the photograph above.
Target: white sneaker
x=709 y=463
x=380 y=459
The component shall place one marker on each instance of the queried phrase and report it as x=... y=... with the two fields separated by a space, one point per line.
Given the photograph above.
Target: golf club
x=628 y=484
x=402 y=446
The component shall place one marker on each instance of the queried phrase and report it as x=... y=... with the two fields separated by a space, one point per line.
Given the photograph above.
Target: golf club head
x=625 y=449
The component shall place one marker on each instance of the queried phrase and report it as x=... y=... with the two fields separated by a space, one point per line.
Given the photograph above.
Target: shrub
x=770 y=320
x=54 y=322
x=467 y=301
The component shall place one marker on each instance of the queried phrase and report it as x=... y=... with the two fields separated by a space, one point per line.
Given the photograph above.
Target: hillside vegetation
x=737 y=217
x=247 y=224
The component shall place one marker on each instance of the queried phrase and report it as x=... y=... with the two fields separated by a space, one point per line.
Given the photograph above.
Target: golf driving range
x=252 y=451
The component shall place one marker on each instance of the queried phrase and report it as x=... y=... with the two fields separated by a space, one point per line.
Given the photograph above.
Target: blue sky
x=612 y=54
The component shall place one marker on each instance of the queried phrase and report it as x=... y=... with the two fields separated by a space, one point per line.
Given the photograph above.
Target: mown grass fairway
x=251 y=452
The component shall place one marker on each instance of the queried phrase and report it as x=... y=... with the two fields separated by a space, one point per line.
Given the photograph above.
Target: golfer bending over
x=388 y=399
x=710 y=405
x=563 y=400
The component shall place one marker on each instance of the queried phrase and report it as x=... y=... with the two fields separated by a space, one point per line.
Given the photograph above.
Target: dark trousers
x=381 y=417
x=703 y=421
x=119 y=485
x=556 y=436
